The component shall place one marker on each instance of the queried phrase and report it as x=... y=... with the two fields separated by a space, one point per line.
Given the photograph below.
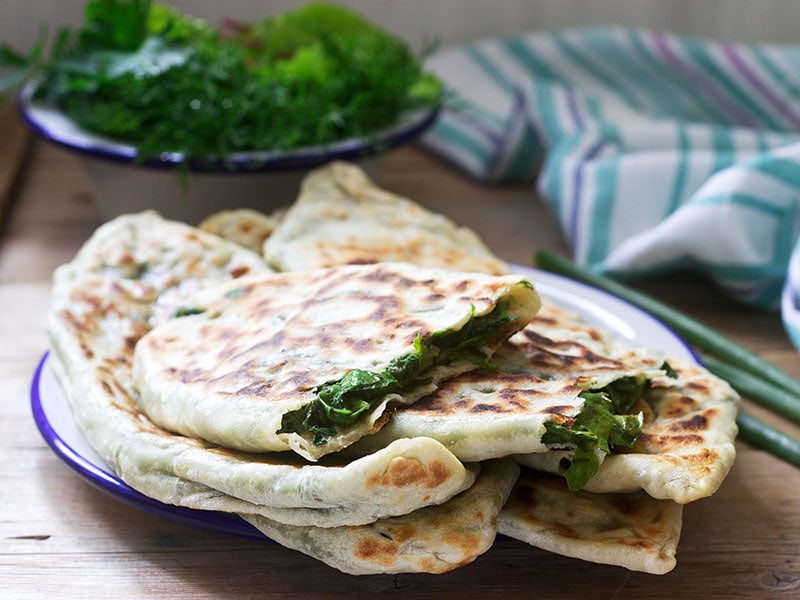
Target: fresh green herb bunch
x=147 y=75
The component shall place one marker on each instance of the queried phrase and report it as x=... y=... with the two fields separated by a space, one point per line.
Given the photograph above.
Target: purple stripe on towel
x=572 y=105
x=701 y=81
x=577 y=188
x=732 y=54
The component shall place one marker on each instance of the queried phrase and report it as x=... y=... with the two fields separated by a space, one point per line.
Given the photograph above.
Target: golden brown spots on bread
x=468 y=543
x=87 y=351
x=405 y=472
x=240 y=271
x=376 y=551
x=659 y=442
x=185 y=375
x=361 y=346
x=695 y=423
x=702 y=459
x=82 y=328
x=681 y=406
x=685 y=439
x=559 y=355
x=560 y=410
x=562 y=529
x=541 y=319
x=640 y=543
x=428 y=565
x=120 y=389
x=701 y=388
x=400 y=533
x=361 y=260
x=130 y=341
x=382 y=275
x=482 y=408
x=494 y=392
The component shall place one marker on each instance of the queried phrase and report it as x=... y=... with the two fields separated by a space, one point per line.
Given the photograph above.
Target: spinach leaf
x=342 y=402
x=669 y=371
x=598 y=428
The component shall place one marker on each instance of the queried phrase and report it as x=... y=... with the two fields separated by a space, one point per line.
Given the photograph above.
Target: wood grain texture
x=62 y=538
x=14 y=143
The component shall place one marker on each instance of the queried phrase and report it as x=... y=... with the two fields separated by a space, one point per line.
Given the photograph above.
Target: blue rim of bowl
x=108 y=483
x=39 y=118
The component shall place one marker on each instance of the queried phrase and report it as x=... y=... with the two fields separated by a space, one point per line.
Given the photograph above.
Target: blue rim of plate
x=107 y=482
x=103 y=479
x=55 y=127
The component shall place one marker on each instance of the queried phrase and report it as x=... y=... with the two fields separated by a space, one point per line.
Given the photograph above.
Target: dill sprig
x=164 y=82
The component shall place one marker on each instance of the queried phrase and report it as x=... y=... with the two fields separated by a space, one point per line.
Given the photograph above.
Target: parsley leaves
x=164 y=82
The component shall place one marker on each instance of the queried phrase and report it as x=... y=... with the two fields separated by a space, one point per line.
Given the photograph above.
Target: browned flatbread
x=246 y=367
x=631 y=530
x=687 y=445
x=341 y=217
x=536 y=377
x=243 y=226
x=407 y=503
x=435 y=539
x=134 y=271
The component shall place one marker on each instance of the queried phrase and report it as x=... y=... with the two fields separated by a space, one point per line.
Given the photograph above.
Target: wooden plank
x=15 y=139
x=62 y=538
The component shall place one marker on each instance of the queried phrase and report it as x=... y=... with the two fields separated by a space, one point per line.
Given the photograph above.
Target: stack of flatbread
x=363 y=381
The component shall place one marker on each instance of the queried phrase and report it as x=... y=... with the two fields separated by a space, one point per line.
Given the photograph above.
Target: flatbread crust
x=687 y=445
x=630 y=530
x=107 y=299
x=684 y=452
x=243 y=226
x=536 y=376
x=410 y=506
x=341 y=217
x=261 y=346
x=430 y=540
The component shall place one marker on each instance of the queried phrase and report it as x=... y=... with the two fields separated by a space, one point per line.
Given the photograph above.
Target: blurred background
x=454 y=21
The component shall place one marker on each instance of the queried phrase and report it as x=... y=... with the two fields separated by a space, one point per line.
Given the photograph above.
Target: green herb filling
x=342 y=402
x=600 y=426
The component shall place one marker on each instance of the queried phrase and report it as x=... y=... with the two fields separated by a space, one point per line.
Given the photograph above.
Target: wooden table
x=62 y=538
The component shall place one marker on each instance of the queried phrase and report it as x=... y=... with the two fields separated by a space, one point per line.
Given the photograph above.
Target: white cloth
x=654 y=151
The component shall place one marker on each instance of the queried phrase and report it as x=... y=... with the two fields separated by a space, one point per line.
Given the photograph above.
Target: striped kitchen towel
x=655 y=152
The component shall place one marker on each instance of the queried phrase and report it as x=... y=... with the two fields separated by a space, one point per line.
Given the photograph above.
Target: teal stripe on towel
x=595 y=70
x=612 y=46
x=681 y=168
x=491 y=69
x=703 y=59
x=785 y=170
x=463 y=141
x=694 y=106
x=527 y=59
